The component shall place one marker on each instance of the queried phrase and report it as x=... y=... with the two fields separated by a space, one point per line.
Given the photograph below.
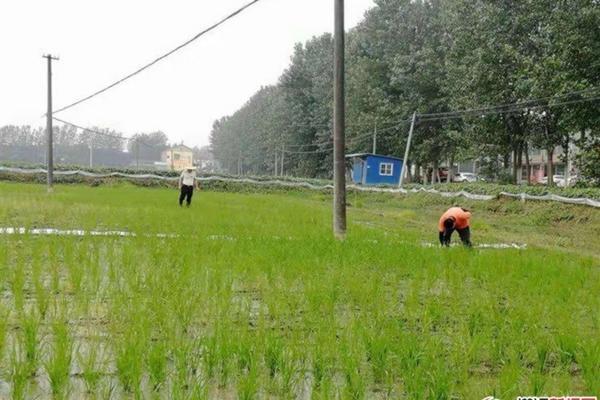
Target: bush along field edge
x=222 y=182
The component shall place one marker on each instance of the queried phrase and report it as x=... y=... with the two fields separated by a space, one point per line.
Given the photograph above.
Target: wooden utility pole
x=339 y=162
x=406 y=152
x=50 y=157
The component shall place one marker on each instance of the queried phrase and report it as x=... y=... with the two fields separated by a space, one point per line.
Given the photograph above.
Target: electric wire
x=511 y=106
x=167 y=54
x=126 y=139
x=507 y=111
x=350 y=142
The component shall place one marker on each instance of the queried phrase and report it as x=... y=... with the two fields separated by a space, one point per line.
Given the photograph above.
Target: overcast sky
x=99 y=42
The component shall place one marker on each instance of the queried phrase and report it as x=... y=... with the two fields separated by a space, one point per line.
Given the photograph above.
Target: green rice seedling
x=186 y=356
x=567 y=348
x=411 y=353
x=54 y=275
x=30 y=331
x=439 y=382
x=508 y=380
x=3 y=261
x=180 y=378
x=543 y=354
x=3 y=328
x=273 y=355
x=20 y=373
x=210 y=356
x=75 y=274
x=58 y=365
x=321 y=367
x=93 y=273
x=129 y=355
x=91 y=364
x=156 y=363
x=537 y=383
x=246 y=357
x=589 y=360
x=323 y=391
x=185 y=380
x=248 y=385
x=82 y=302
x=225 y=355
x=197 y=389
x=288 y=374
x=378 y=355
x=107 y=391
x=355 y=384
x=17 y=284
x=42 y=296
x=412 y=361
x=475 y=323
x=37 y=278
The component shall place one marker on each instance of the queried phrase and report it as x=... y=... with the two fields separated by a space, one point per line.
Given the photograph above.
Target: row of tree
x=96 y=145
x=431 y=57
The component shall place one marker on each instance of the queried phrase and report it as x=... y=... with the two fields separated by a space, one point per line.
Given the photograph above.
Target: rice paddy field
x=247 y=296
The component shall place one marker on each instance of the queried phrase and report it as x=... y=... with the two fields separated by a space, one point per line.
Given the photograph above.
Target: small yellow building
x=178 y=158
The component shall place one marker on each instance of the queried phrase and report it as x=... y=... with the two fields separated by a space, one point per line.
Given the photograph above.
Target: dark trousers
x=186 y=193
x=465 y=236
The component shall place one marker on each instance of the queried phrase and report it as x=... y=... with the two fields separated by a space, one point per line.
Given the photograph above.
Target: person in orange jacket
x=456 y=218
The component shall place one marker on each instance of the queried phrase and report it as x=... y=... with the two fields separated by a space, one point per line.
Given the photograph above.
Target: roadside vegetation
x=293 y=184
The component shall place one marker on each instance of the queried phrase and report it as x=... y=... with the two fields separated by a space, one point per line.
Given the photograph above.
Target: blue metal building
x=375 y=169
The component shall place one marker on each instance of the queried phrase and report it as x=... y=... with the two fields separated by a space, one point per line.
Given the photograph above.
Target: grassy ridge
x=255 y=300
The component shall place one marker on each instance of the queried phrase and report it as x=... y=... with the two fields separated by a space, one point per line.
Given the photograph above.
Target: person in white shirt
x=187 y=181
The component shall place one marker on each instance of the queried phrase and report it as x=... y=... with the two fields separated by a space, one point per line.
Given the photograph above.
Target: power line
x=351 y=140
x=131 y=75
x=328 y=145
x=508 y=111
x=519 y=105
x=493 y=110
x=126 y=139
x=92 y=130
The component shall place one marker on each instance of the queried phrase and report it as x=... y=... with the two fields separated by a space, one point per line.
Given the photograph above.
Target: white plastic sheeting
x=81 y=232
x=308 y=185
x=87 y=174
x=485 y=245
x=72 y=232
x=554 y=197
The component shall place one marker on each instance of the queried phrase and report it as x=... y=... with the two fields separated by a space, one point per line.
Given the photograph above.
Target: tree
x=431 y=56
x=148 y=146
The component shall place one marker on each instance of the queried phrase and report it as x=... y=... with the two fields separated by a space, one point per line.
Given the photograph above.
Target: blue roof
x=364 y=155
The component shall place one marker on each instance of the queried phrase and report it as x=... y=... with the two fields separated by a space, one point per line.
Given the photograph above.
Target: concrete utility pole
x=50 y=157
x=339 y=111
x=375 y=139
x=91 y=156
x=282 y=160
x=137 y=155
x=406 y=152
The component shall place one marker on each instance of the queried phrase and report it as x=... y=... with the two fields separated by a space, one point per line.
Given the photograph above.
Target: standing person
x=187 y=181
x=456 y=218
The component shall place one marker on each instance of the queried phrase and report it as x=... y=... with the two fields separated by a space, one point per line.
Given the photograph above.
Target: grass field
x=254 y=299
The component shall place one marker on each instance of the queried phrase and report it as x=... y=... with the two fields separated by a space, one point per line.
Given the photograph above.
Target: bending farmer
x=456 y=218
x=187 y=181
